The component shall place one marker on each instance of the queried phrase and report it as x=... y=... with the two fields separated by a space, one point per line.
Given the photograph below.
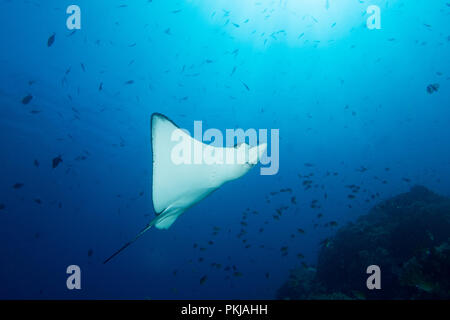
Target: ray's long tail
x=147 y=227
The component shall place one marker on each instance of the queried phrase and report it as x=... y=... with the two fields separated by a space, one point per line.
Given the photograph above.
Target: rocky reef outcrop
x=407 y=236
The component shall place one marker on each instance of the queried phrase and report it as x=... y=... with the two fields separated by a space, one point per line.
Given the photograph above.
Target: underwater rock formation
x=408 y=236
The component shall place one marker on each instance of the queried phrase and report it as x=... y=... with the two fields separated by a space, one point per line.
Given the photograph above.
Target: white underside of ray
x=178 y=186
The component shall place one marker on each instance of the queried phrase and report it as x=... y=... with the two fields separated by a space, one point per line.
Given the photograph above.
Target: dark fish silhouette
x=51 y=40
x=18 y=185
x=56 y=161
x=333 y=223
x=246 y=86
x=27 y=99
x=432 y=88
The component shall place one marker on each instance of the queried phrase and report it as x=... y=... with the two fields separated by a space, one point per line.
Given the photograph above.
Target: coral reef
x=407 y=236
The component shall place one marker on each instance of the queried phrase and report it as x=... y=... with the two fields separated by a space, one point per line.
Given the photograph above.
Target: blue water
x=343 y=97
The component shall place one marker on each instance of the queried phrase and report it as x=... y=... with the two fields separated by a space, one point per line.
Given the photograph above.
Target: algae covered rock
x=407 y=236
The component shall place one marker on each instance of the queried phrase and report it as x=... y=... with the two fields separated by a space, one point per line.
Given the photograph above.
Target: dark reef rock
x=408 y=236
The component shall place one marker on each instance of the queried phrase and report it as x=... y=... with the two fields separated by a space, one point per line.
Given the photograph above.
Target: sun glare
x=294 y=22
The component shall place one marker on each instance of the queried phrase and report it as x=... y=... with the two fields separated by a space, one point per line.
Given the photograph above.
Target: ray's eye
x=248 y=163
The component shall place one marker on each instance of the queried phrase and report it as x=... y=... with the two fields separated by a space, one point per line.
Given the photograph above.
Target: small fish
x=301 y=231
x=90 y=252
x=245 y=85
x=27 y=99
x=100 y=87
x=129 y=82
x=233 y=71
x=51 y=40
x=18 y=185
x=203 y=279
x=2 y=206
x=433 y=88
x=56 y=161
x=38 y=201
